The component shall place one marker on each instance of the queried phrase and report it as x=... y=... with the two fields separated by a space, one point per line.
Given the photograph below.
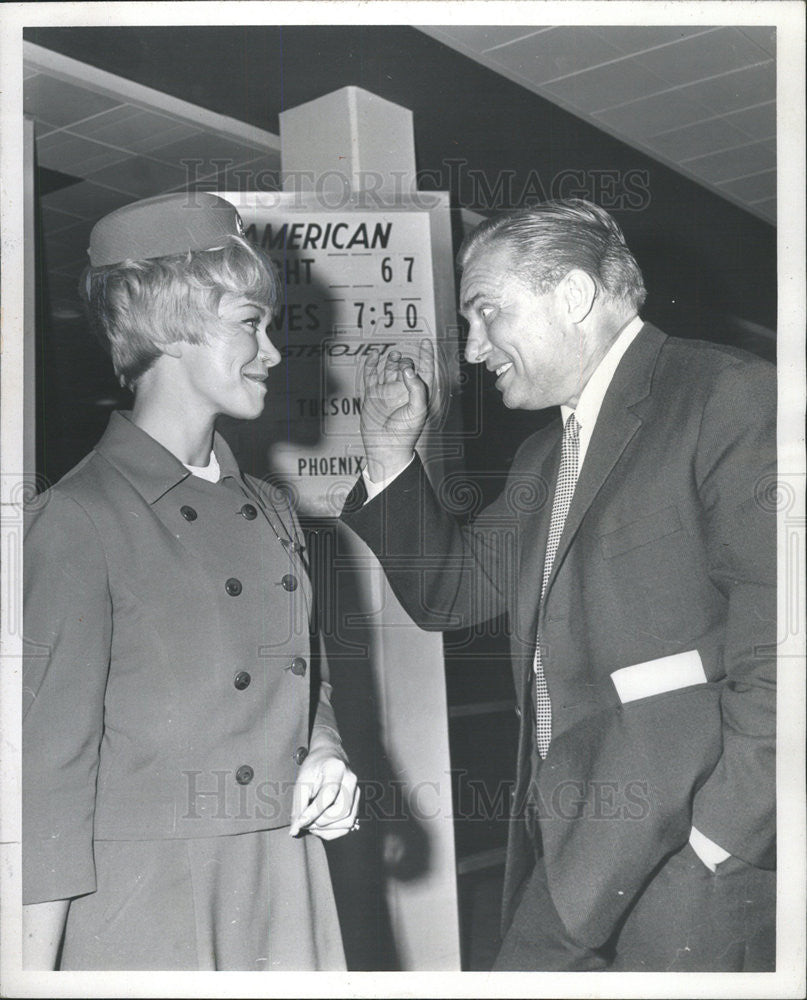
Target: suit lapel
x=616 y=425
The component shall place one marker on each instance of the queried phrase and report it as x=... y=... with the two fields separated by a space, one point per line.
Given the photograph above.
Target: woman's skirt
x=250 y=901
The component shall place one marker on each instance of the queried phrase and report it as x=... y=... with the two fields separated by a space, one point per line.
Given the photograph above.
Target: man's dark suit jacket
x=669 y=547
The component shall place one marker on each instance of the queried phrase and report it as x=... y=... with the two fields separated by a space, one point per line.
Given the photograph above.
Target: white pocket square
x=667 y=673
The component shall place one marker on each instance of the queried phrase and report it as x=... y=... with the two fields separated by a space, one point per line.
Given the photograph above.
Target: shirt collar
x=588 y=406
x=148 y=466
x=211 y=472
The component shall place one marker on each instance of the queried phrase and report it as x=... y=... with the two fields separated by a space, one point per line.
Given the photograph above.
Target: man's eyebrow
x=468 y=303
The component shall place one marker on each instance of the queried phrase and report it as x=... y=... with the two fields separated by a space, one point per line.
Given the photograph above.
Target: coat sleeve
x=736 y=470
x=324 y=731
x=68 y=629
x=445 y=576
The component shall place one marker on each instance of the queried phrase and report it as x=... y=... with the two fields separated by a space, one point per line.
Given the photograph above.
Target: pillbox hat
x=163 y=226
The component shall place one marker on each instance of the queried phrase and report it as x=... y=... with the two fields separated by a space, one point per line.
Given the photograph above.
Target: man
x=634 y=553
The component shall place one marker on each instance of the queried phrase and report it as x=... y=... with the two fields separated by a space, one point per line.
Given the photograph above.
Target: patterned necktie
x=564 y=490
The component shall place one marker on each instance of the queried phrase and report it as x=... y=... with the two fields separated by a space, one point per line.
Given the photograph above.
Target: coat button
x=242 y=680
x=298 y=666
x=249 y=512
x=289 y=582
x=300 y=755
x=188 y=513
x=244 y=774
x=233 y=587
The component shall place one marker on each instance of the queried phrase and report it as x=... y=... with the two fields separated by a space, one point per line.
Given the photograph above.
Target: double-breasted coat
x=172 y=677
x=668 y=555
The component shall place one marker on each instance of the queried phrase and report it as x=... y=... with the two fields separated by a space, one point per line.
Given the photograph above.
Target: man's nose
x=477 y=345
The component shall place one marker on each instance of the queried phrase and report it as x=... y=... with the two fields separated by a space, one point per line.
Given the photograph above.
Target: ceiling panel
x=638 y=39
x=764 y=37
x=731 y=163
x=482 y=36
x=605 y=86
x=135 y=129
x=768 y=206
x=695 y=58
x=53 y=221
x=262 y=174
x=88 y=200
x=65 y=102
x=74 y=154
x=758 y=122
x=756 y=188
x=699 y=139
x=140 y=176
x=681 y=94
x=732 y=91
x=649 y=115
x=42 y=128
x=555 y=53
x=207 y=147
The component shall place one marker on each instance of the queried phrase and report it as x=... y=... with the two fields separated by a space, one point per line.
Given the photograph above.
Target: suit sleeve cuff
x=373 y=489
x=710 y=853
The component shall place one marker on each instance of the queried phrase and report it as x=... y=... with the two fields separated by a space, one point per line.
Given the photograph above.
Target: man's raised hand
x=395 y=406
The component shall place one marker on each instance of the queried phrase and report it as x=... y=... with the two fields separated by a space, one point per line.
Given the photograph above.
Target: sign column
x=367 y=265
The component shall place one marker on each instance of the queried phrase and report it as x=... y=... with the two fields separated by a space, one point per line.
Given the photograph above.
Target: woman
x=176 y=731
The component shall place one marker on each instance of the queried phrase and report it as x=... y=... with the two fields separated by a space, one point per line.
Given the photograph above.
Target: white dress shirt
x=590 y=402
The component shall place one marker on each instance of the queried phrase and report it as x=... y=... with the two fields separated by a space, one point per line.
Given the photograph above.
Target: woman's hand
x=326 y=796
x=395 y=405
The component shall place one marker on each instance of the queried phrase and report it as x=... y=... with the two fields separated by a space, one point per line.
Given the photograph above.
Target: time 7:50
x=411 y=314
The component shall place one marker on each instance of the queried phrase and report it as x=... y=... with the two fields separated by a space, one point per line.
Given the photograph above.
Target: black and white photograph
x=403 y=499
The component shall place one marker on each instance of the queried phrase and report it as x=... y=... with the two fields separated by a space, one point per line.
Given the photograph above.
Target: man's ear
x=579 y=294
x=173 y=350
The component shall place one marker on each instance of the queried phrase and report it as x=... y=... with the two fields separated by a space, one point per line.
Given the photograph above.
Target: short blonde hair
x=137 y=306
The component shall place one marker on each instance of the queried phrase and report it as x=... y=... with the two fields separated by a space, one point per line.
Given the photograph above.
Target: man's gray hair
x=548 y=240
